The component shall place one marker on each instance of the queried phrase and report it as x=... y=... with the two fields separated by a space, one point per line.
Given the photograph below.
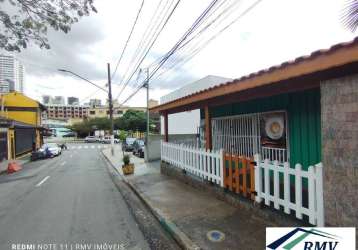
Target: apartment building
x=12 y=74
x=103 y=111
x=65 y=112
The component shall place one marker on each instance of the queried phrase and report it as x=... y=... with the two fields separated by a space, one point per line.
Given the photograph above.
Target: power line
x=203 y=46
x=129 y=37
x=197 y=22
x=151 y=45
x=217 y=21
x=147 y=36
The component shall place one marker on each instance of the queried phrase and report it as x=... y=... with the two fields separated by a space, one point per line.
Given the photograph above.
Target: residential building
x=73 y=100
x=47 y=99
x=59 y=100
x=20 y=125
x=187 y=122
x=95 y=102
x=152 y=103
x=284 y=137
x=12 y=74
x=118 y=111
x=65 y=112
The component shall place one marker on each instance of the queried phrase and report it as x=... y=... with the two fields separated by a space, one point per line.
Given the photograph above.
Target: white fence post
x=311 y=195
x=319 y=194
x=298 y=190
x=258 y=181
x=286 y=184
x=196 y=161
x=222 y=166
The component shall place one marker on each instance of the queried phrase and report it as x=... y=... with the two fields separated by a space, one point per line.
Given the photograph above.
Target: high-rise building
x=73 y=100
x=47 y=99
x=95 y=102
x=59 y=100
x=12 y=74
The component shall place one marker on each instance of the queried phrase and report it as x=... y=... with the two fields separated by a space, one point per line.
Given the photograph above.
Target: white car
x=53 y=148
x=107 y=140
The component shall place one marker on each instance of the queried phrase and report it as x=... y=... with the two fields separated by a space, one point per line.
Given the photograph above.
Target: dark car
x=138 y=148
x=43 y=153
x=127 y=144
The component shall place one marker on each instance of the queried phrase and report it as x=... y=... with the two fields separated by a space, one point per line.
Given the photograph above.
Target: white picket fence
x=315 y=209
x=200 y=162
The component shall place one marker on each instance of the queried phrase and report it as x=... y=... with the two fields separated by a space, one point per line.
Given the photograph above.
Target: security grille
x=237 y=134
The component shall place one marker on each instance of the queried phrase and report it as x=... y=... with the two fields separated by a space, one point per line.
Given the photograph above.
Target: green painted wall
x=304 y=121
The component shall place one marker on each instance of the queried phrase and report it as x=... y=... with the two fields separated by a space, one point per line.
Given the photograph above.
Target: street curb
x=179 y=236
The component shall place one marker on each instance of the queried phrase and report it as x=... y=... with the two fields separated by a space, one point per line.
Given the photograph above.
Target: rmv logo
x=328 y=243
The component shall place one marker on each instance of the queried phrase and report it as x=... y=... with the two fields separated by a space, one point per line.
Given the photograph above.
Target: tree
x=350 y=15
x=32 y=18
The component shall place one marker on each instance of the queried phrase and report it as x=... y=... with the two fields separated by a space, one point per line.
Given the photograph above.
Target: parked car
x=42 y=153
x=127 y=144
x=107 y=140
x=70 y=134
x=54 y=148
x=48 y=150
x=91 y=139
x=138 y=148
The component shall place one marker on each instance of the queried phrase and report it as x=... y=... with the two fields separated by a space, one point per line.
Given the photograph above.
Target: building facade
x=12 y=74
x=59 y=100
x=65 y=112
x=20 y=125
x=297 y=125
x=73 y=100
x=103 y=111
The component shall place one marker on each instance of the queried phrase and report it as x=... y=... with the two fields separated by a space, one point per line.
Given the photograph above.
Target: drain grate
x=215 y=236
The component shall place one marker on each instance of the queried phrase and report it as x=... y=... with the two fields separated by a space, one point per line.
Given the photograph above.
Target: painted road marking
x=63 y=163
x=41 y=182
x=79 y=147
x=85 y=146
x=92 y=146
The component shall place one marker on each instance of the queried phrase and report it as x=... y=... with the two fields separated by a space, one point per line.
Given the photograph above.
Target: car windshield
x=130 y=140
x=140 y=142
x=52 y=145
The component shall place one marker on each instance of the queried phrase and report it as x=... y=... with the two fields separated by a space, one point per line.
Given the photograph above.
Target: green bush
x=126 y=159
x=122 y=135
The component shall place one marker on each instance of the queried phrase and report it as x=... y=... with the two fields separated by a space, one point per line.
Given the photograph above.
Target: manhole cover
x=215 y=236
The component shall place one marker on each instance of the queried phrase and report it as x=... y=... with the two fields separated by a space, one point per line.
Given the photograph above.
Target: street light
x=109 y=92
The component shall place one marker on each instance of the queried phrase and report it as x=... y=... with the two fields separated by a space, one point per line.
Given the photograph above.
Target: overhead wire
x=128 y=39
x=201 y=47
x=189 y=31
x=151 y=45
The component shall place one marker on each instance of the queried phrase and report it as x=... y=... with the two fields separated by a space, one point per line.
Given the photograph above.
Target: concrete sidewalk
x=204 y=221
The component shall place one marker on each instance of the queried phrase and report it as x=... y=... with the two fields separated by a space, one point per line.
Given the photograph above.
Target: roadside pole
x=147 y=133
x=110 y=103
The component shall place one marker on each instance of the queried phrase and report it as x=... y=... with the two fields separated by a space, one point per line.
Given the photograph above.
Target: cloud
x=73 y=51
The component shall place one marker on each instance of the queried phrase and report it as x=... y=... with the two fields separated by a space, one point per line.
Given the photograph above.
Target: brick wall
x=339 y=107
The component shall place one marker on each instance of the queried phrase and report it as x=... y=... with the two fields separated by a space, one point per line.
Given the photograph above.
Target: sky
x=269 y=34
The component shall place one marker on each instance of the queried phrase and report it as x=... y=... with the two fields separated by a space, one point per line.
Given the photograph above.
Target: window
x=92 y=112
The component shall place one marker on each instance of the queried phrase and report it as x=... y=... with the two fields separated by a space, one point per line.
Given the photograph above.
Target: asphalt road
x=70 y=200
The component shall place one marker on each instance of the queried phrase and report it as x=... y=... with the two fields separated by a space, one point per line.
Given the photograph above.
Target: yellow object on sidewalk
x=128 y=169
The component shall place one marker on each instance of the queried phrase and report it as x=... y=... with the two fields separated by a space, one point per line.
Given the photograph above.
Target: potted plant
x=127 y=167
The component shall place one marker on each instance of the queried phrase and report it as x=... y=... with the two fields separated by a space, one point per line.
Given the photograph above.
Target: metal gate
x=24 y=138
x=3 y=144
x=241 y=135
x=238 y=135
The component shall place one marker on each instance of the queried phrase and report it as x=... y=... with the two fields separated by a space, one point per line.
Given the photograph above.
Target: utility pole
x=110 y=103
x=147 y=134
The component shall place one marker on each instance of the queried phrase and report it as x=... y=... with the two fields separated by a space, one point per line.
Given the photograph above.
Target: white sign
x=315 y=238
